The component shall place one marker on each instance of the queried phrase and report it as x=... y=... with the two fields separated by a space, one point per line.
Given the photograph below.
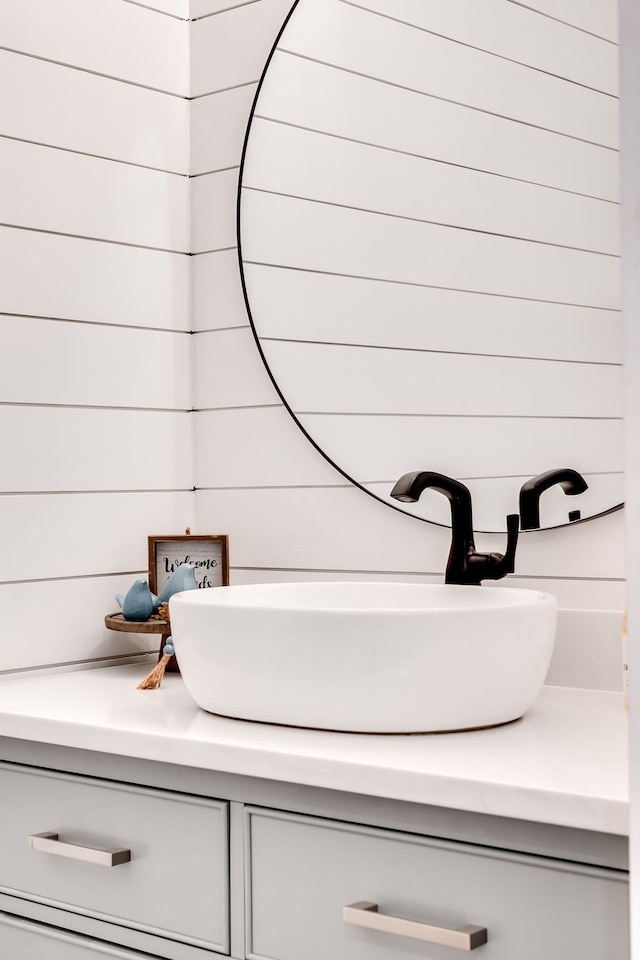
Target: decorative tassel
x=153 y=680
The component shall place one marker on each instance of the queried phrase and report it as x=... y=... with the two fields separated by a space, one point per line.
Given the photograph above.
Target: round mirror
x=428 y=227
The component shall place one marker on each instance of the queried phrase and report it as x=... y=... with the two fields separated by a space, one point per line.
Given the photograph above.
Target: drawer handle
x=365 y=914
x=49 y=843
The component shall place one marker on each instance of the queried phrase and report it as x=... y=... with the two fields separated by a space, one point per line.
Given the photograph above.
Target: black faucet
x=530 y=492
x=464 y=565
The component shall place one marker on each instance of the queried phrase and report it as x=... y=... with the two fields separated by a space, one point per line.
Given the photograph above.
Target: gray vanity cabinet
x=304 y=871
x=208 y=864
x=25 y=940
x=138 y=859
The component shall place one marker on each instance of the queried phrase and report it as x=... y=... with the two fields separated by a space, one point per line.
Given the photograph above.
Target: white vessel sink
x=365 y=657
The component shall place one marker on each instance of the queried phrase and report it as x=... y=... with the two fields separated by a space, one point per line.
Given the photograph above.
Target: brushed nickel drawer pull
x=365 y=914
x=49 y=843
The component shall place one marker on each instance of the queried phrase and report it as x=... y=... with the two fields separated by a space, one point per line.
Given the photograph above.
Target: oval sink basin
x=365 y=657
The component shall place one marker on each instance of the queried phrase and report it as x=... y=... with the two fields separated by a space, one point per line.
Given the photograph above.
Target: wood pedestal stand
x=115 y=621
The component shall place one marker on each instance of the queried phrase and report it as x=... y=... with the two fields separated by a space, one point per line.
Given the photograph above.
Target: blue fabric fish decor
x=182 y=578
x=139 y=602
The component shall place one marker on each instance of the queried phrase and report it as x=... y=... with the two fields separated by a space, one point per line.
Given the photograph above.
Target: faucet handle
x=495 y=566
x=509 y=558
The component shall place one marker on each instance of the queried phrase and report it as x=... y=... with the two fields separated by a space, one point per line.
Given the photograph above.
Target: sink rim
x=347 y=597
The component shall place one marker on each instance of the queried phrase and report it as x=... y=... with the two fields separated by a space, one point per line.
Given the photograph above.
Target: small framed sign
x=208 y=554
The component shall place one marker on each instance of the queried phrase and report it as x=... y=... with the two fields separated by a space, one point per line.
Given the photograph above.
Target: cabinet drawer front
x=23 y=940
x=304 y=871
x=170 y=875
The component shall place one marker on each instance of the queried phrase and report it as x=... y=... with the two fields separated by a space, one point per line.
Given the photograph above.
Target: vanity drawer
x=172 y=882
x=303 y=872
x=24 y=940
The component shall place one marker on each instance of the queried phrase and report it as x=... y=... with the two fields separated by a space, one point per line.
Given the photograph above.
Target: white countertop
x=564 y=763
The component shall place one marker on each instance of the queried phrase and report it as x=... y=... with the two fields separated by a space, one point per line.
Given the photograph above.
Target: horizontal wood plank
x=276 y=452
x=87 y=113
x=64 y=277
x=335 y=32
x=515 y=32
x=314 y=236
x=344 y=529
x=228 y=371
x=293 y=162
x=217 y=128
x=173 y=8
x=213 y=200
x=599 y=17
x=217 y=291
x=86 y=534
x=76 y=449
x=493 y=458
x=581 y=596
x=319 y=97
x=310 y=94
x=62 y=621
x=232 y=48
x=380 y=450
x=123 y=40
x=326 y=308
x=69 y=193
x=319 y=378
x=53 y=362
x=207 y=8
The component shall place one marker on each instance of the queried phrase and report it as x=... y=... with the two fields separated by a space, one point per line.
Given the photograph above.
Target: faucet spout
x=571 y=482
x=465 y=565
x=409 y=488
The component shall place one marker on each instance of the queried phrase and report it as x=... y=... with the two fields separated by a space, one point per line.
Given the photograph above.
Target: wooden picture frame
x=209 y=554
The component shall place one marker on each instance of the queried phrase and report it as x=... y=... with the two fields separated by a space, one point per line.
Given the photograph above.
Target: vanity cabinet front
x=319 y=889
x=142 y=859
x=24 y=940
x=114 y=856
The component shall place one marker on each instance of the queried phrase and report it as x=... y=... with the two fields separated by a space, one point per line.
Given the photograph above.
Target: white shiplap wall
x=288 y=513
x=95 y=361
x=96 y=305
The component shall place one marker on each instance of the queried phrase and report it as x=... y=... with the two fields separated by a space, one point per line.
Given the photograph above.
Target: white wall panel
x=70 y=193
x=313 y=95
x=173 y=8
x=55 y=276
x=494 y=498
x=598 y=16
x=84 y=112
x=588 y=650
x=333 y=309
x=573 y=595
x=120 y=40
x=217 y=291
x=365 y=380
x=278 y=454
x=515 y=32
x=441 y=67
x=81 y=605
x=213 y=211
x=232 y=47
x=217 y=128
x=55 y=449
x=472 y=447
x=228 y=371
x=293 y=162
x=206 y=8
x=86 y=534
x=43 y=361
x=362 y=244
x=342 y=529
